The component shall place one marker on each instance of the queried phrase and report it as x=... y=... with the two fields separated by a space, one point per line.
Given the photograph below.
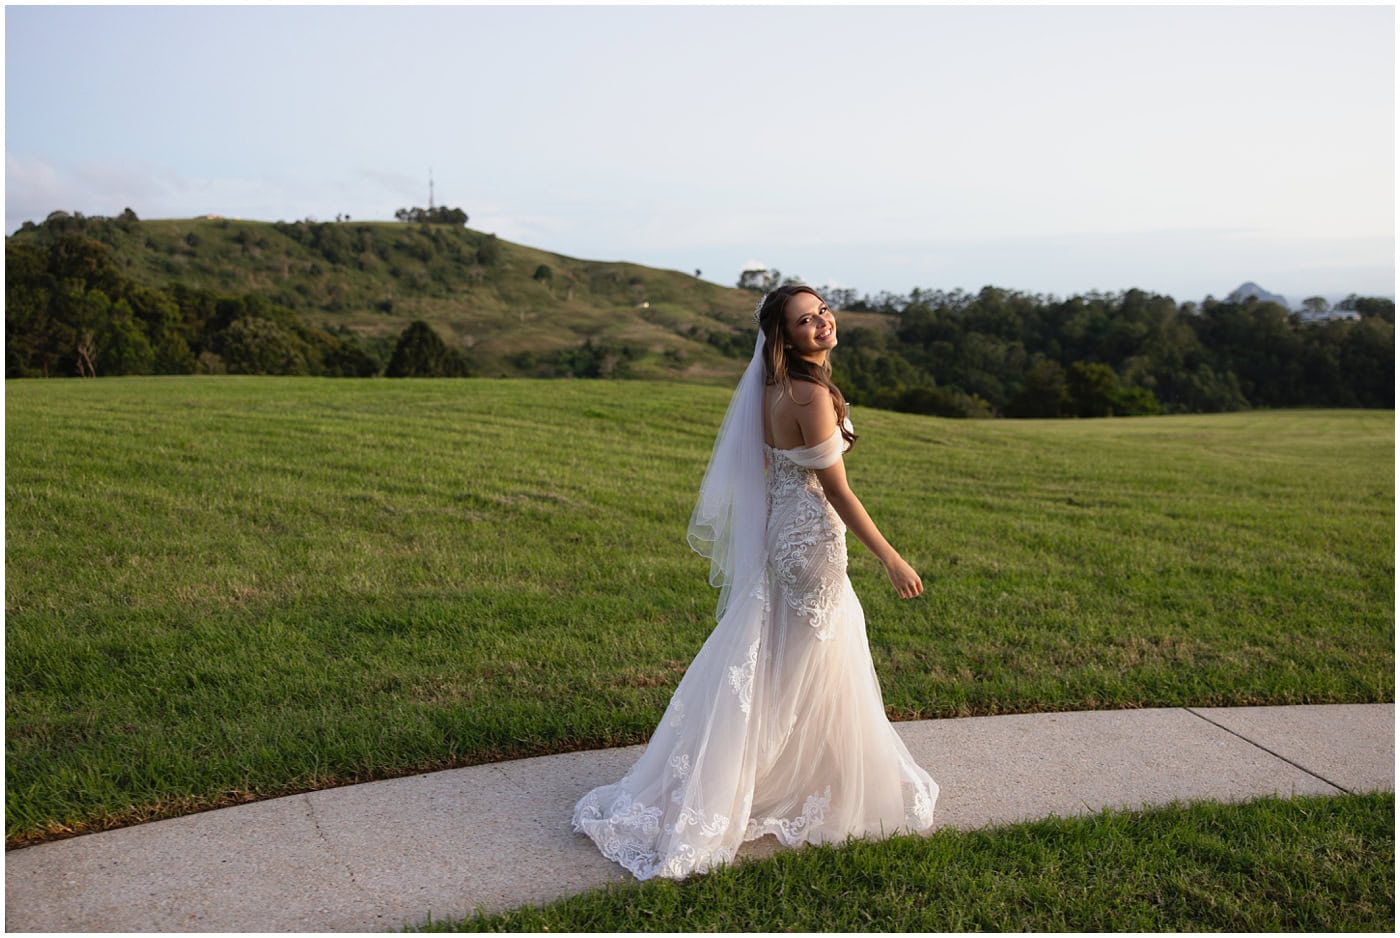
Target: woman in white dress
x=778 y=726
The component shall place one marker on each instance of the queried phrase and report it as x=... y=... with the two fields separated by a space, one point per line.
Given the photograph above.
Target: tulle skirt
x=777 y=727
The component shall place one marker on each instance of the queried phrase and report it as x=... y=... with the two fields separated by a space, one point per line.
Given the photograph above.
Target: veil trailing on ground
x=727 y=525
x=684 y=806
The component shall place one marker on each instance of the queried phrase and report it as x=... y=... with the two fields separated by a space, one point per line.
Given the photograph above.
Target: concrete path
x=386 y=854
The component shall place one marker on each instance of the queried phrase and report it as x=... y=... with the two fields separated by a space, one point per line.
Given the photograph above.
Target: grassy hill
x=226 y=588
x=484 y=294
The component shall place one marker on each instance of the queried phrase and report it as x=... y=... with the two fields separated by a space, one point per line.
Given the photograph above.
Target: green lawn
x=1306 y=865
x=227 y=588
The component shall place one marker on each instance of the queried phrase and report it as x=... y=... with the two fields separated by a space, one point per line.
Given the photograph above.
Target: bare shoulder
x=814 y=409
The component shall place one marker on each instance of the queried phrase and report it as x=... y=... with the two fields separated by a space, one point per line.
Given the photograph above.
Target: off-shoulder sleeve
x=819 y=455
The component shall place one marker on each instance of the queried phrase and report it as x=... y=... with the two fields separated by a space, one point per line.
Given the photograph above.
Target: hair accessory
x=758 y=310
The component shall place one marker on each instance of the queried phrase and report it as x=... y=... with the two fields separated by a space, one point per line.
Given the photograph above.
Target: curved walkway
x=385 y=854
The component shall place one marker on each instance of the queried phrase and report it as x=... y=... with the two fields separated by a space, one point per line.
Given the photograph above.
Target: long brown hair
x=782 y=368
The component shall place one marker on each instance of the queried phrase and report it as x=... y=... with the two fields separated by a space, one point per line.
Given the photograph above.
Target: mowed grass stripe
x=1315 y=864
x=226 y=588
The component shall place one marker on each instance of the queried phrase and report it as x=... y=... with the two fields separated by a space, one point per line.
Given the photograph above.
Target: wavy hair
x=783 y=369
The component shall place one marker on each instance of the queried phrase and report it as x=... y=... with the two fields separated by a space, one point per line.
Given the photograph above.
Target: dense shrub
x=421 y=353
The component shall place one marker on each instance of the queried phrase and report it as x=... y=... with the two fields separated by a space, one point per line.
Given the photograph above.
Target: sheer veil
x=728 y=522
x=685 y=804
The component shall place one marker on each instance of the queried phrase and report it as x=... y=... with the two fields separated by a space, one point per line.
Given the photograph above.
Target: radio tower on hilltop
x=430 y=188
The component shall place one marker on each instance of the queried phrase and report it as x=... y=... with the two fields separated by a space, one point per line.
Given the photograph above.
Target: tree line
x=70 y=311
x=440 y=215
x=1000 y=352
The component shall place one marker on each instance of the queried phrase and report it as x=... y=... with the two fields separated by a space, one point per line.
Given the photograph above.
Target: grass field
x=220 y=589
x=1304 y=865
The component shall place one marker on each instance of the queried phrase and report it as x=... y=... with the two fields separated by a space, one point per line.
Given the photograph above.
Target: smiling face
x=811 y=327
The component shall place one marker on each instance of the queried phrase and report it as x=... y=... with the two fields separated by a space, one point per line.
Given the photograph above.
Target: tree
x=421 y=353
x=122 y=345
x=441 y=215
x=1364 y=306
x=838 y=297
x=940 y=402
x=159 y=317
x=488 y=252
x=87 y=354
x=28 y=290
x=339 y=355
x=1368 y=361
x=759 y=279
x=1091 y=387
x=1205 y=391
x=1094 y=391
x=252 y=345
x=1316 y=307
x=1043 y=391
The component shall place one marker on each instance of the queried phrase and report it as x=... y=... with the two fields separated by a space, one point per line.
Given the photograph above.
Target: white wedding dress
x=778 y=726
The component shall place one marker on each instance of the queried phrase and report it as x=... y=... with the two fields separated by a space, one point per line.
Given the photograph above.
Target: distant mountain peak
x=1249 y=288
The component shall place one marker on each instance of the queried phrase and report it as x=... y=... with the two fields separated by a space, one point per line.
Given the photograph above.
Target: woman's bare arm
x=833 y=479
x=817 y=419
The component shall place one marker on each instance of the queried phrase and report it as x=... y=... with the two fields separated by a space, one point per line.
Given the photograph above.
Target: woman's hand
x=906 y=582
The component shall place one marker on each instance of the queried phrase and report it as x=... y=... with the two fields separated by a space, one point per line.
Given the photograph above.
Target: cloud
x=401 y=185
x=33 y=189
x=537 y=229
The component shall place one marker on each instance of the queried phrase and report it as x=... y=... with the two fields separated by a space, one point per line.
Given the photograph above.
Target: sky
x=1056 y=150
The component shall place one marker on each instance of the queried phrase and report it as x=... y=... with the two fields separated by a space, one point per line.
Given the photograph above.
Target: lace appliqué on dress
x=687 y=860
x=741 y=678
x=918 y=807
x=680 y=771
x=626 y=835
x=809 y=555
x=793 y=831
x=714 y=827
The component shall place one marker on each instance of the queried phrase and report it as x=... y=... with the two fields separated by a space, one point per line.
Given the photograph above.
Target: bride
x=778 y=726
